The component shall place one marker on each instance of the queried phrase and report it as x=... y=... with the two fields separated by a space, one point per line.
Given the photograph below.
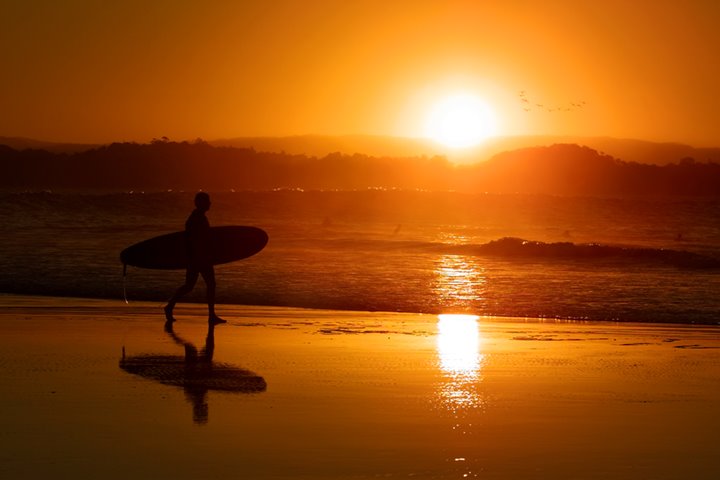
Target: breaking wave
x=511 y=248
x=519 y=248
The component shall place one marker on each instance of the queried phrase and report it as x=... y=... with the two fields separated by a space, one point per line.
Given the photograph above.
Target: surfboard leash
x=125 y=283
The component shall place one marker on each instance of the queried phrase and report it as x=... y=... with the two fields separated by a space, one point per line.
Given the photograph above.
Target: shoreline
x=538 y=319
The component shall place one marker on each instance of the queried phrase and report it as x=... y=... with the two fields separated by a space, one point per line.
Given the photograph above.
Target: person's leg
x=191 y=276
x=208 y=275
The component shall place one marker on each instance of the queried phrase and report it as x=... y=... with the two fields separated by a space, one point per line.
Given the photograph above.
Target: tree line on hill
x=563 y=169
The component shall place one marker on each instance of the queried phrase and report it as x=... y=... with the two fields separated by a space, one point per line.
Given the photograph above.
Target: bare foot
x=215 y=320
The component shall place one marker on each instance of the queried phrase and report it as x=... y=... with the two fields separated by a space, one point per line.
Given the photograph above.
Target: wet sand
x=293 y=393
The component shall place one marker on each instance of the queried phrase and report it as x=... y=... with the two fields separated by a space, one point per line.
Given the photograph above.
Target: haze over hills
x=629 y=150
x=21 y=143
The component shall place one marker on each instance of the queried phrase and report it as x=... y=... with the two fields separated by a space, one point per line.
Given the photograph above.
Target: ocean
x=536 y=256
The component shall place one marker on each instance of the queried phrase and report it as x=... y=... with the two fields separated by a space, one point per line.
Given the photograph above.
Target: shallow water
x=382 y=251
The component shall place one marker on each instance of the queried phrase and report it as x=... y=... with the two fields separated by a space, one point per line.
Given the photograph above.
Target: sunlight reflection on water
x=458 y=347
x=459 y=281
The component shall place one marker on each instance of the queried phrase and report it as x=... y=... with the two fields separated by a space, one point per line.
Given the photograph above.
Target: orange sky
x=91 y=71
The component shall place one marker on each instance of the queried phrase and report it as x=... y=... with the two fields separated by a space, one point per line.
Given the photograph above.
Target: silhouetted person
x=197 y=233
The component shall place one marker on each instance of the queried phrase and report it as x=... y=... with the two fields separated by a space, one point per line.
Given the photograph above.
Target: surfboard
x=169 y=251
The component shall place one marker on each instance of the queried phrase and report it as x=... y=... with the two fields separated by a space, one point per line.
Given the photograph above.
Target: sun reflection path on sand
x=458 y=348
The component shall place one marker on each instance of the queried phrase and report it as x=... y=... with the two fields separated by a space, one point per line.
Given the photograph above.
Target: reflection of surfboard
x=193 y=374
x=169 y=251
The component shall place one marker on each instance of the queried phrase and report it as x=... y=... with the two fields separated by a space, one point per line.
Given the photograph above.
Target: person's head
x=202 y=201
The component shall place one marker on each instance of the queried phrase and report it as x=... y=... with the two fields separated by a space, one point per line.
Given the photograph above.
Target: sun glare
x=461 y=360
x=460 y=121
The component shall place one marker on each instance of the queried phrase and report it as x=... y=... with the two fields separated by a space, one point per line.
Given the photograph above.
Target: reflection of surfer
x=197 y=365
x=197 y=231
x=195 y=372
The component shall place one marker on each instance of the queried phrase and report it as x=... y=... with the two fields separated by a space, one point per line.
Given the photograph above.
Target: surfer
x=197 y=231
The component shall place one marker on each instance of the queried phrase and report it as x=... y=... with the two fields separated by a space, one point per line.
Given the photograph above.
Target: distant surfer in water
x=197 y=231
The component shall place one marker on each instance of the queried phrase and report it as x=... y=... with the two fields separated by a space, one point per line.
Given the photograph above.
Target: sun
x=460 y=121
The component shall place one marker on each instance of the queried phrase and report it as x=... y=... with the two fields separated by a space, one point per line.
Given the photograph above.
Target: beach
x=99 y=389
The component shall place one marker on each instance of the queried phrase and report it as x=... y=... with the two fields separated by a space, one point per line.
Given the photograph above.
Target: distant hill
x=568 y=169
x=629 y=150
x=562 y=169
x=20 y=143
x=322 y=145
x=642 y=151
